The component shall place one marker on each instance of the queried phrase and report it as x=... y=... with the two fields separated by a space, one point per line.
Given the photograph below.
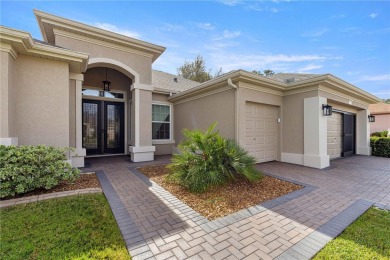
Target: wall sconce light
x=371 y=118
x=327 y=110
x=106 y=84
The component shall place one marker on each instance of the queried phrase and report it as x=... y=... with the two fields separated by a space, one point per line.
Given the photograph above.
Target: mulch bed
x=85 y=181
x=223 y=200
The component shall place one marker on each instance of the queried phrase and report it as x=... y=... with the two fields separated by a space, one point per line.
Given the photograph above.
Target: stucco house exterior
x=381 y=111
x=52 y=93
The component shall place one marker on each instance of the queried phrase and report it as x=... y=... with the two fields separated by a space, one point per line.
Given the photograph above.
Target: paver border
x=135 y=242
x=53 y=195
x=315 y=241
x=222 y=222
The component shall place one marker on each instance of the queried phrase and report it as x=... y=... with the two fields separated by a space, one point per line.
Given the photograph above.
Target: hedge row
x=26 y=168
x=380 y=146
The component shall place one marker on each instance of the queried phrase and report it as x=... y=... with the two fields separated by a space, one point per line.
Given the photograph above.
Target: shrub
x=207 y=159
x=380 y=146
x=380 y=134
x=26 y=168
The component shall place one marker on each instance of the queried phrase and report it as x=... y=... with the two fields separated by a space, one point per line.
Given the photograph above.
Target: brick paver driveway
x=156 y=225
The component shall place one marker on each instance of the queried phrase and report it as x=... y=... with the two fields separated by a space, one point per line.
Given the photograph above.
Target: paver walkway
x=156 y=225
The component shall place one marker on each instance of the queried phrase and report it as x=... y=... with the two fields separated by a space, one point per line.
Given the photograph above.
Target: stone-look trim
x=8 y=141
x=294 y=158
x=315 y=241
x=135 y=242
x=216 y=224
x=36 y=198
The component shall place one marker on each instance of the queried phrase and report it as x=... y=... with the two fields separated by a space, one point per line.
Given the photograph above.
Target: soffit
x=48 y=23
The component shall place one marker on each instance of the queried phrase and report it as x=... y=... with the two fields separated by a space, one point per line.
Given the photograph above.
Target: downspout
x=236 y=101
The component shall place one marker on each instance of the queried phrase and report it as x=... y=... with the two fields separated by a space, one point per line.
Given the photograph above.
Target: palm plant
x=207 y=159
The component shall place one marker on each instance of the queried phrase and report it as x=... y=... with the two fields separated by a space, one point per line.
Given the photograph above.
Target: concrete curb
x=36 y=198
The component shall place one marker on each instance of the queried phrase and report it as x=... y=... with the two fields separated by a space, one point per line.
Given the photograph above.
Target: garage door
x=261 y=131
x=335 y=132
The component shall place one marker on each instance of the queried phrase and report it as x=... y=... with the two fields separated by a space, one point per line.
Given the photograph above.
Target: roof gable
x=48 y=23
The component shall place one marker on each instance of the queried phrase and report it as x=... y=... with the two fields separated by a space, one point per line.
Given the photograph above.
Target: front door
x=103 y=127
x=348 y=135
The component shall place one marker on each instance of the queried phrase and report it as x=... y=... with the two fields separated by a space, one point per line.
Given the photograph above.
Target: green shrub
x=380 y=146
x=26 y=168
x=380 y=134
x=207 y=159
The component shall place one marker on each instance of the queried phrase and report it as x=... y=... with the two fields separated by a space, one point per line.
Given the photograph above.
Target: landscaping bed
x=85 y=181
x=226 y=199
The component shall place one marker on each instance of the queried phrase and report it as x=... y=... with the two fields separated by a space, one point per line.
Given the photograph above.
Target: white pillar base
x=363 y=150
x=142 y=153
x=78 y=157
x=316 y=161
x=9 y=141
x=292 y=158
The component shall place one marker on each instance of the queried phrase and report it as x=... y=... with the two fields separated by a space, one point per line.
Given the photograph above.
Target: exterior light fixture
x=327 y=110
x=371 y=118
x=106 y=84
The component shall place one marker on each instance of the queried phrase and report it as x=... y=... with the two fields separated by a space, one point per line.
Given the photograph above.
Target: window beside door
x=161 y=122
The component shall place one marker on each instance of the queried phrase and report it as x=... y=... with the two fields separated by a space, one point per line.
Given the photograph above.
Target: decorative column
x=315 y=133
x=8 y=131
x=80 y=152
x=362 y=133
x=141 y=148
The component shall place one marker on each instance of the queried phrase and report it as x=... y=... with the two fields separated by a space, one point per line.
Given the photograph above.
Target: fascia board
x=206 y=86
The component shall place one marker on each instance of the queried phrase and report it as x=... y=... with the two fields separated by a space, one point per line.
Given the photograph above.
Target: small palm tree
x=207 y=159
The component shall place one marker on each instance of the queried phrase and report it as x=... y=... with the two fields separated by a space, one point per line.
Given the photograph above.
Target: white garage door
x=261 y=131
x=335 y=131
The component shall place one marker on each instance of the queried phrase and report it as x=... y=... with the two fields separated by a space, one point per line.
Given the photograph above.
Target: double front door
x=103 y=127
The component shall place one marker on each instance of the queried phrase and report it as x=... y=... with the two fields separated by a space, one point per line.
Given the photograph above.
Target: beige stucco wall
x=337 y=98
x=72 y=113
x=93 y=78
x=141 y=64
x=293 y=122
x=160 y=97
x=163 y=149
x=7 y=96
x=201 y=113
x=343 y=107
x=382 y=122
x=42 y=101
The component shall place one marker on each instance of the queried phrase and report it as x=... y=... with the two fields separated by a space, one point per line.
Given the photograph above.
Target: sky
x=349 y=39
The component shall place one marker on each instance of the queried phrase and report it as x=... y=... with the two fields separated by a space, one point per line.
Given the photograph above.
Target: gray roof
x=166 y=81
x=292 y=77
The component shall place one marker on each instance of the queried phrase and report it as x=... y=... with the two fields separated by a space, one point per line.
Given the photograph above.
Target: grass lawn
x=75 y=227
x=367 y=238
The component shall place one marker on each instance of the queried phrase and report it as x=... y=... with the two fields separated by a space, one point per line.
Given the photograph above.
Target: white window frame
x=164 y=141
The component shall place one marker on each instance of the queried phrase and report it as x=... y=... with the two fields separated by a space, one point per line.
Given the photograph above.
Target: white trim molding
x=114 y=64
x=76 y=76
x=9 y=141
x=142 y=153
x=294 y=158
x=141 y=86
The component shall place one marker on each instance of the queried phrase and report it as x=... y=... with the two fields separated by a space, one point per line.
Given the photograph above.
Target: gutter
x=230 y=83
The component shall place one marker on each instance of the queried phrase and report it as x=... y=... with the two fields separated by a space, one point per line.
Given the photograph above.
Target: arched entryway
x=105 y=113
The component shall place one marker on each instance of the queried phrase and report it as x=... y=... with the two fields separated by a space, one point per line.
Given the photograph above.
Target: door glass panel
x=113 y=126
x=90 y=126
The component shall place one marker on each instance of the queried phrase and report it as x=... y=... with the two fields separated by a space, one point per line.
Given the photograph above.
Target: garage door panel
x=261 y=138
x=335 y=139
